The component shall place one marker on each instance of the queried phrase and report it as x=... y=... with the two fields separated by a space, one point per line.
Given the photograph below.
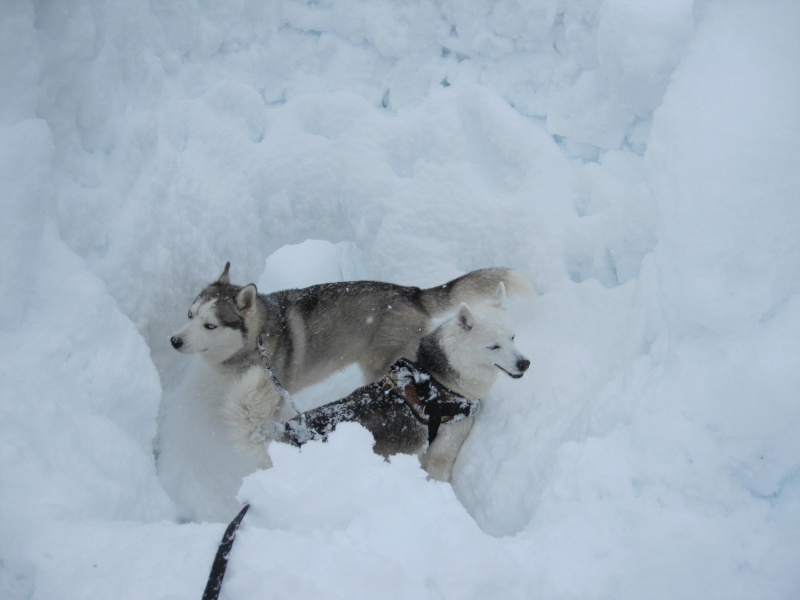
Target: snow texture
x=637 y=161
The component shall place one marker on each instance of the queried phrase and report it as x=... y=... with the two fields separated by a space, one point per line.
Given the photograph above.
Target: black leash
x=214 y=584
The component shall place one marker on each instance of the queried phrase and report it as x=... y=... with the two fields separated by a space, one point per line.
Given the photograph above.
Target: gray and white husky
x=465 y=354
x=313 y=332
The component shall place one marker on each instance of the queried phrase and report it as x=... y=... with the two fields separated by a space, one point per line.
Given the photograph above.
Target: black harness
x=429 y=402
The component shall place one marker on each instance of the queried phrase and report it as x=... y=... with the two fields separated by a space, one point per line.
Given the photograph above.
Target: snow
x=637 y=161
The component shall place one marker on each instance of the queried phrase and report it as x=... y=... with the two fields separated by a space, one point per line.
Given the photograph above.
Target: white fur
x=251 y=404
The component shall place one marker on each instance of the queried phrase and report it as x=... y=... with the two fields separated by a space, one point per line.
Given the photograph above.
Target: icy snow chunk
x=637 y=47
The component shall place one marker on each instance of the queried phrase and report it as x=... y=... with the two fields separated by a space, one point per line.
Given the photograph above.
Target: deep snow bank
x=649 y=452
x=326 y=514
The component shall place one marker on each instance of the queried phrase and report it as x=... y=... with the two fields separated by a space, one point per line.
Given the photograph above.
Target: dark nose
x=523 y=364
x=176 y=342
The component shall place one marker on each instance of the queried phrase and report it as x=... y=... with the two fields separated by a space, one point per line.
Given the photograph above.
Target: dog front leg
x=439 y=458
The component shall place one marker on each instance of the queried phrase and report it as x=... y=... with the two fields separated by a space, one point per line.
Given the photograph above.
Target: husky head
x=220 y=320
x=473 y=348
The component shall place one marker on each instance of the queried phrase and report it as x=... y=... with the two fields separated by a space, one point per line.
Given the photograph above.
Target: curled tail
x=473 y=288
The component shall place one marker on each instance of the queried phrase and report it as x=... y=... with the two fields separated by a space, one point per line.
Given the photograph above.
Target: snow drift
x=636 y=161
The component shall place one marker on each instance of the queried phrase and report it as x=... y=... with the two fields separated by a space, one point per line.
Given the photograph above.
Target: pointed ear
x=246 y=300
x=499 y=296
x=225 y=276
x=465 y=318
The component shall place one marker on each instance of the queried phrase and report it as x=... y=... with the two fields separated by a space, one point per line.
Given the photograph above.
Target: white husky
x=464 y=355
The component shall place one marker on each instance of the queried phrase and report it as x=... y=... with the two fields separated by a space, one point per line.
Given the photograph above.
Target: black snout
x=176 y=342
x=523 y=364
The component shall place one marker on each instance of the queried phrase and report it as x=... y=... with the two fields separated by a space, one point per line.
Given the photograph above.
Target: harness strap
x=220 y=563
x=429 y=414
x=434 y=420
x=430 y=402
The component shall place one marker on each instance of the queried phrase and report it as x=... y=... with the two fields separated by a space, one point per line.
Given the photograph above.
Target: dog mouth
x=509 y=373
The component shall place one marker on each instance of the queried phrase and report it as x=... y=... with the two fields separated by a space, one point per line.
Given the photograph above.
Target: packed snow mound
x=338 y=509
x=333 y=484
x=81 y=399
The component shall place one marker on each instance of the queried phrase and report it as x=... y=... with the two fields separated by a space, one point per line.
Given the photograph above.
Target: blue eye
x=210 y=326
x=493 y=347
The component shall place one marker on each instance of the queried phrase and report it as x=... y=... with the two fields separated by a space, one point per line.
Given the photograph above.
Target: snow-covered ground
x=638 y=161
